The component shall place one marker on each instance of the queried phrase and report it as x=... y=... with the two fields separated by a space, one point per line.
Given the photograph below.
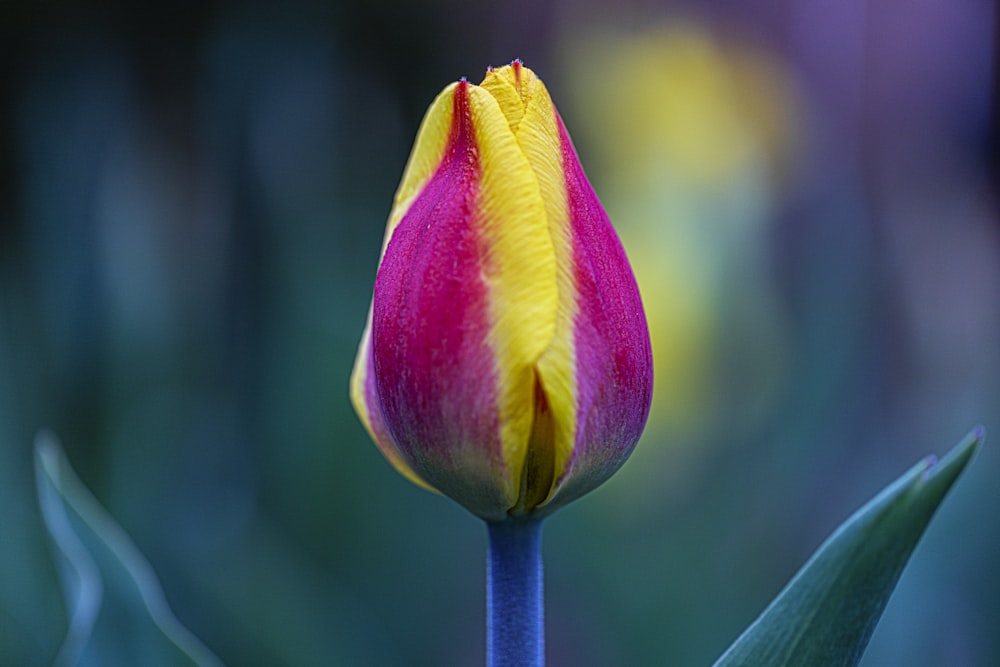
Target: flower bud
x=506 y=361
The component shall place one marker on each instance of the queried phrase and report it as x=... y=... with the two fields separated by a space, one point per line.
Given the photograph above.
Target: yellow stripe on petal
x=529 y=108
x=425 y=158
x=522 y=274
x=509 y=90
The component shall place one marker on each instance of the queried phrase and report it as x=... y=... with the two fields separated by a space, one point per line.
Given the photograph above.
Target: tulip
x=506 y=361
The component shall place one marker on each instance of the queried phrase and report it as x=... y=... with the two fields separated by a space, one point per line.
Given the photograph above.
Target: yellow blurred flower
x=690 y=138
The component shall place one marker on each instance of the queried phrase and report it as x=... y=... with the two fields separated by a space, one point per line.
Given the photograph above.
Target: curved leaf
x=118 y=613
x=827 y=612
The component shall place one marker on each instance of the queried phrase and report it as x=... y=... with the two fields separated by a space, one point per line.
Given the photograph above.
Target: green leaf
x=117 y=611
x=827 y=612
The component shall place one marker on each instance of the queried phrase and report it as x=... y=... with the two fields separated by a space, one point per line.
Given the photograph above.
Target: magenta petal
x=433 y=366
x=614 y=362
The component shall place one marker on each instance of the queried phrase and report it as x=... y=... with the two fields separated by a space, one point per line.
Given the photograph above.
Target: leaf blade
x=100 y=561
x=828 y=611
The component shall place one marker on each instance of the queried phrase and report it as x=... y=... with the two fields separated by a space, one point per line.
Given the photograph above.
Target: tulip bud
x=506 y=361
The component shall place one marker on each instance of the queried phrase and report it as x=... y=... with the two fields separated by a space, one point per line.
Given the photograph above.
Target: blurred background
x=192 y=201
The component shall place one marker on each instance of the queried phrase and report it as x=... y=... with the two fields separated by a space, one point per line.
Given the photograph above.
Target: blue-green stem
x=515 y=617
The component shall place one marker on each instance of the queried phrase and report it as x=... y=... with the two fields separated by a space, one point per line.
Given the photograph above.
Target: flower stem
x=515 y=625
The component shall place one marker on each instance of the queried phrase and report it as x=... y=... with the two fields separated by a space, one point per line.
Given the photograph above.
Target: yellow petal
x=529 y=109
x=523 y=282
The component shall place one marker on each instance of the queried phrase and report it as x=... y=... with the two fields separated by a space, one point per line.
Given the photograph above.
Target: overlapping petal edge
x=506 y=360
